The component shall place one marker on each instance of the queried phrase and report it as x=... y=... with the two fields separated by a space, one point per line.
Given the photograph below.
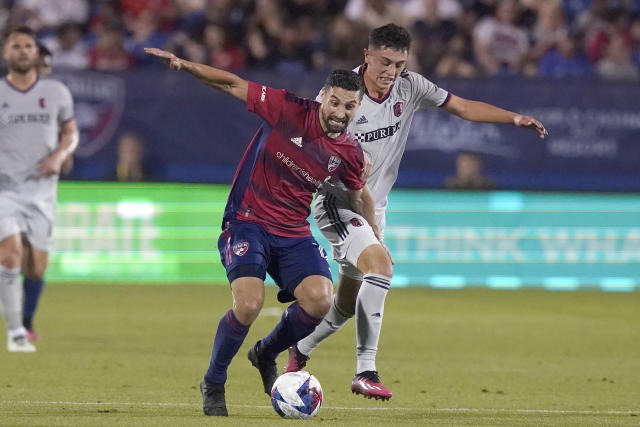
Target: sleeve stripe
x=446 y=101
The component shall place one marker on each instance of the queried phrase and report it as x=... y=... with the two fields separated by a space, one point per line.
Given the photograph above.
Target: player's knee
x=322 y=305
x=10 y=261
x=35 y=271
x=246 y=310
x=384 y=268
x=11 y=255
x=375 y=260
x=316 y=300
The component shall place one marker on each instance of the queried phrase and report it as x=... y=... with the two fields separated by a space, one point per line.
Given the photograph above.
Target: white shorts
x=348 y=233
x=33 y=219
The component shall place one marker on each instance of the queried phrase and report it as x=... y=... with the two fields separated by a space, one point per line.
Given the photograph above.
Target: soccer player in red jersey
x=301 y=147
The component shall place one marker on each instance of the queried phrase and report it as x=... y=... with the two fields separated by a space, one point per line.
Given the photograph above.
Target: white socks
x=333 y=321
x=11 y=299
x=369 y=312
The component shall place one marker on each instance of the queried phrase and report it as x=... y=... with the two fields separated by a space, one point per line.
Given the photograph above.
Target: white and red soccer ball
x=296 y=395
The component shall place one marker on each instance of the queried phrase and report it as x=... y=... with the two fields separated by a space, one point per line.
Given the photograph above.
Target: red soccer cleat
x=368 y=384
x=297 y=360
x=32 y=336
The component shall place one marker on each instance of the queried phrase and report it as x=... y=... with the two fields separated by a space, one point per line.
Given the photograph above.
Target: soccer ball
x=296 y=395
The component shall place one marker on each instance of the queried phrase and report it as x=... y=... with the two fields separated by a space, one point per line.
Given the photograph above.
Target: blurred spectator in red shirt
x=109 y=54
x=164 y=11
x=221 y=52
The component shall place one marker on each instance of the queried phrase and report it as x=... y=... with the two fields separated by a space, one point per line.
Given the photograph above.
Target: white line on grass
x=343 y=408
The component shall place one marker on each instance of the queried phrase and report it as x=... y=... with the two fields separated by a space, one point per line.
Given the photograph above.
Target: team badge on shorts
x=333 y=163
x=397 y=109
x=240 y=248
x=356 y=222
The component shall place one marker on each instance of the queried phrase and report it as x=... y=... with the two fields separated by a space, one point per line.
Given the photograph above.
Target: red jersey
x=287 y=161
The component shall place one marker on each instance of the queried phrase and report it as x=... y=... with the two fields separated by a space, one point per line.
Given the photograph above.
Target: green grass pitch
x=133 y=355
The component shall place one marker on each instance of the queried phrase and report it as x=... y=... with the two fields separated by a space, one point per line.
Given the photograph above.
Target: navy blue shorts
x=248 y=250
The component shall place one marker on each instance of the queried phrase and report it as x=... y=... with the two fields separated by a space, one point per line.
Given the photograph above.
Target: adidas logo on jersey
x=297 y=140
x=362 y=120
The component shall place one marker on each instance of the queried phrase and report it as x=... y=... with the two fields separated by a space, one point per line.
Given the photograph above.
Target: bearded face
x=21 y=53
x=337 y=110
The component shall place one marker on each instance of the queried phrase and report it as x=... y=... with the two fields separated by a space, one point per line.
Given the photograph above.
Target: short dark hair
x=20 y=30
x=391 y=36
x=345 y=79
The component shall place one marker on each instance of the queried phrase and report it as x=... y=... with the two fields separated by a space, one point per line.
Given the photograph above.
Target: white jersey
x=382 y=126
x=30 y=123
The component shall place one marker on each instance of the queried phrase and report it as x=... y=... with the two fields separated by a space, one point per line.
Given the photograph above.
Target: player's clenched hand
x=530 y=123
x=174 y=62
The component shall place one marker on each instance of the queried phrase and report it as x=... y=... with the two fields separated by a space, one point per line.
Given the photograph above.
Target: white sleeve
x=425 y=93
x=65 y=112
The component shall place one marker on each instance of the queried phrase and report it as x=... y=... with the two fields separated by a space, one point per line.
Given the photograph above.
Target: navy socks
x=229 y=338
x=32 y=291
x=294 y=325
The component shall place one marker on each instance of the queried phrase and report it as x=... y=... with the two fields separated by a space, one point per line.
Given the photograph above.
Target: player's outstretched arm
x=52 y=164
x=222 y=80
x=477 y=111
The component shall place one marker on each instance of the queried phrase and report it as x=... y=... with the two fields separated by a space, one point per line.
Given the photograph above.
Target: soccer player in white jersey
x=37 y=133
x=381 y=125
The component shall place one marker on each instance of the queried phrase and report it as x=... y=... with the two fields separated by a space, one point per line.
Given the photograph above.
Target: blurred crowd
x=459 y=38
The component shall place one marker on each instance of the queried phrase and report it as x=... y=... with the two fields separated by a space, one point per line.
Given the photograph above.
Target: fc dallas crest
x=333 y=163
x=240 y=248
x=397 y=108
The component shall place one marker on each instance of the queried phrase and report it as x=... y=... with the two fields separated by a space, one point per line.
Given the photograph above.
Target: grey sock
x=11 y=297
x=369 y=313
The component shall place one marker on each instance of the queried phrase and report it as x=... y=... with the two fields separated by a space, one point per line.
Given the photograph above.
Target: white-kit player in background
x=37 y=134
x=381 y=125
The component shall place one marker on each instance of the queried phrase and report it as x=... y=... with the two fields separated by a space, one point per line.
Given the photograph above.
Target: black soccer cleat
x=267 y=368
x=213 y=403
